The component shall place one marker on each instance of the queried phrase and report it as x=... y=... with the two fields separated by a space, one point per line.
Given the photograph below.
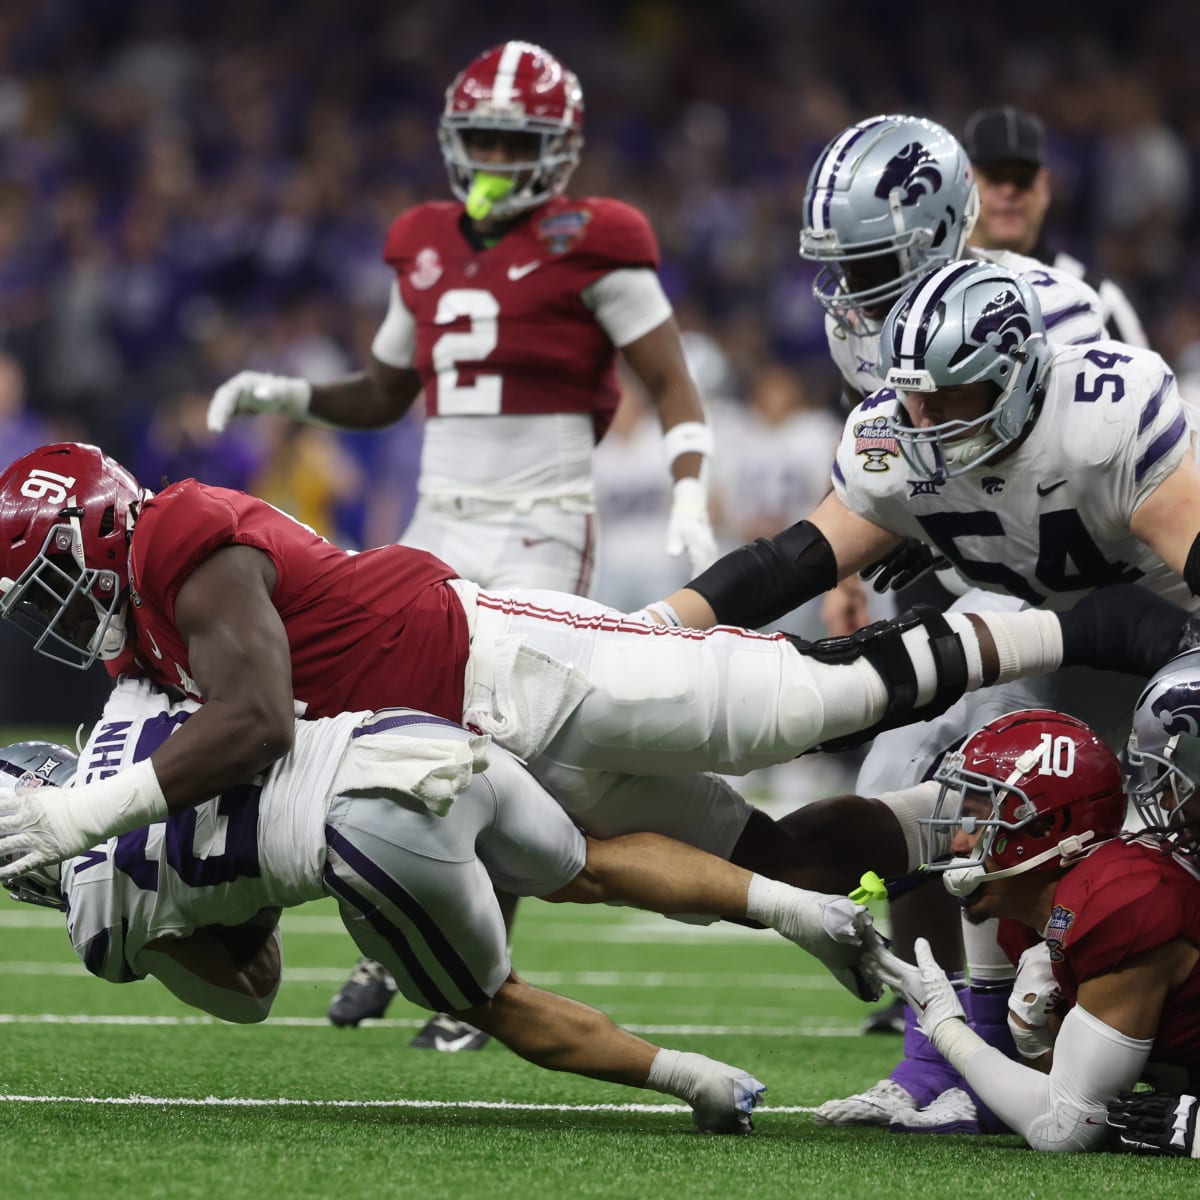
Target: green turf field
x=118 y=1091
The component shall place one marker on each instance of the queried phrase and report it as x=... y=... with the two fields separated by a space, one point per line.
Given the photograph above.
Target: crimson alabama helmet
x=65 y=515
x=516 y=87
x=32 y=764
x=1039 y=788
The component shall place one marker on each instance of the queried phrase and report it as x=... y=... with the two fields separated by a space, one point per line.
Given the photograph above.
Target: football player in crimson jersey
x=508 y=307
x=223 y=596
x=1036 y=802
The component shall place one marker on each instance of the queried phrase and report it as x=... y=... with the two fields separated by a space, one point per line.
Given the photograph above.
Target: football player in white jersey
x=383 y=811
x=1041 y=472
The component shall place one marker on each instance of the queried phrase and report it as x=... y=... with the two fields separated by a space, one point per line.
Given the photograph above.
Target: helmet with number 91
x=32 y=764
x=65 y=515
x=515 y=88
x=888 y=199
x=1163 y=755
x=1036 y=789
x=965 y=323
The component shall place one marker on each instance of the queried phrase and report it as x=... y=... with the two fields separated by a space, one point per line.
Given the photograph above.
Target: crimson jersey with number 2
x=505 y=329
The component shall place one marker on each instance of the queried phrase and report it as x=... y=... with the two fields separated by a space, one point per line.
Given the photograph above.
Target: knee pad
x=882 y=645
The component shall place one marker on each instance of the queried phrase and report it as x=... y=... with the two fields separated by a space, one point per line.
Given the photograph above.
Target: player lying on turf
x=1035 y=802
x=386 y=813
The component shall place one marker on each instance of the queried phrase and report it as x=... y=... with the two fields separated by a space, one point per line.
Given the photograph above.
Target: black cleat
x=887 y=1019
x=1126 y=628
x=365 y=995
x=449 y=1035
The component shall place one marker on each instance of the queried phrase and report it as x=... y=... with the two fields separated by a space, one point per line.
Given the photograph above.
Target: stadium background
x=187 y=189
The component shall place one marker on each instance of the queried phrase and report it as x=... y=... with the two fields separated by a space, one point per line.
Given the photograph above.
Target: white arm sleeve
x=395 y=341
x=197 y=992
x=627 y=303
x=1063 y=1111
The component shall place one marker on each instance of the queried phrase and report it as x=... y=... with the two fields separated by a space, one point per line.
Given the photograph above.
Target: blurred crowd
x=188 y=190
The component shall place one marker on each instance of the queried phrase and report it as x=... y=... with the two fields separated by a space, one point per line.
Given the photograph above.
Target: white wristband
x=688 y=437
x=94 y=812
x=956 y=1042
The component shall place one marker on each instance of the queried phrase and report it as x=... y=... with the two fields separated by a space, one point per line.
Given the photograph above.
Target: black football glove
x=1155 y=1123
x=902 y=566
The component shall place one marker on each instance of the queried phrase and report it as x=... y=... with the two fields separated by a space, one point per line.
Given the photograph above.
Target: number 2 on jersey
x=472 y=345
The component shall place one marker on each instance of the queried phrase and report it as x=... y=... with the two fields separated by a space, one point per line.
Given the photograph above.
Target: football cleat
x=449 y=1035
x=880 y=1104
x=364 y=996
x=888 y=1019
x=951 y=1112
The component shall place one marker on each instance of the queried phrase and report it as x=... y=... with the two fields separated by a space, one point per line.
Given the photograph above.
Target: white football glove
x=1035 y=995
x=722 y=1097
x=933 y=997
x=32 y=830
x=833 y=929
x=689 y=527
x=42 y=825
x=258 y=392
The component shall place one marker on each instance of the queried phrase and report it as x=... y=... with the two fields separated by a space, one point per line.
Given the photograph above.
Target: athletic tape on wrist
x=688 y=437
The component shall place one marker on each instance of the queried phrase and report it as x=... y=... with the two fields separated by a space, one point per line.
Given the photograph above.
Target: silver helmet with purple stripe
x=965 y=323
x=32 y=764
x=1163 y=755
x=887 y=199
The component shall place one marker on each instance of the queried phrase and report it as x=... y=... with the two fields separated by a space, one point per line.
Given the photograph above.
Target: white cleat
x=881 y=1104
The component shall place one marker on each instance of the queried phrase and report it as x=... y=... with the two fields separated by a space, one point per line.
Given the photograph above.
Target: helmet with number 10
x=515 y=88
x=1038 y=788
x=65 y=515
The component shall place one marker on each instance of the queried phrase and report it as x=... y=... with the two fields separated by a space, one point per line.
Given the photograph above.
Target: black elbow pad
x=765 y=580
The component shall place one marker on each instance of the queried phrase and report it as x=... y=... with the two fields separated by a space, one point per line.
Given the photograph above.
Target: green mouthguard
x=486 y=189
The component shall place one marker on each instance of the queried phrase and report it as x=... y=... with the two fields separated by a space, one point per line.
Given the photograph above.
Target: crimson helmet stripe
x=911 y=333
x=827 y=168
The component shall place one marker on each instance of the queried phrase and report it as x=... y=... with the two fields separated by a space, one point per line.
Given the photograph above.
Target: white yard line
x=775 y=1031
x=284 y=1102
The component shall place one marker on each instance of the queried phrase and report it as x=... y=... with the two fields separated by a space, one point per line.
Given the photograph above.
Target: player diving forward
x=385 y=812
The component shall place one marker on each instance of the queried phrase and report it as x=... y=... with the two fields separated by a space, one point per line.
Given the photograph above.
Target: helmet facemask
x=965 y=323
x=74 y=613
x=1163 y=788
x=888 y=200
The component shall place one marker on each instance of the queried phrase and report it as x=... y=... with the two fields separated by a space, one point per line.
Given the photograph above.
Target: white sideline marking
x=790 y=1031
x=285 y=1102
x=649 y=979
x=642 y=928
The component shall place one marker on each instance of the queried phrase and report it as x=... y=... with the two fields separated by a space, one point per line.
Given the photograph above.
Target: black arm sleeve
x=1191 y=568
x=766 y=579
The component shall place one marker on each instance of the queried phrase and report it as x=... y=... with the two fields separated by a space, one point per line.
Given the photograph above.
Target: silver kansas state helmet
x=888 y=198
x=31 y=764
x=966 y=322
x=1163 y=755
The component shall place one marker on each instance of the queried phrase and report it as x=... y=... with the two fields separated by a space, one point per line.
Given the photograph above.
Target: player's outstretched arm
x=370 y=399
x=766 y=579
x=564 y=1035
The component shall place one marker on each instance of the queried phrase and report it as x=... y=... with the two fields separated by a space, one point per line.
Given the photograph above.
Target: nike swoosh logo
x=515 y=273
x=449 y=1045
x=1046 y=489
x=153 y=644
x=528 y=541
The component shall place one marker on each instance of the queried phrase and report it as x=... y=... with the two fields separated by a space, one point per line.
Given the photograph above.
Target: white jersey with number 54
x=1049 y=522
